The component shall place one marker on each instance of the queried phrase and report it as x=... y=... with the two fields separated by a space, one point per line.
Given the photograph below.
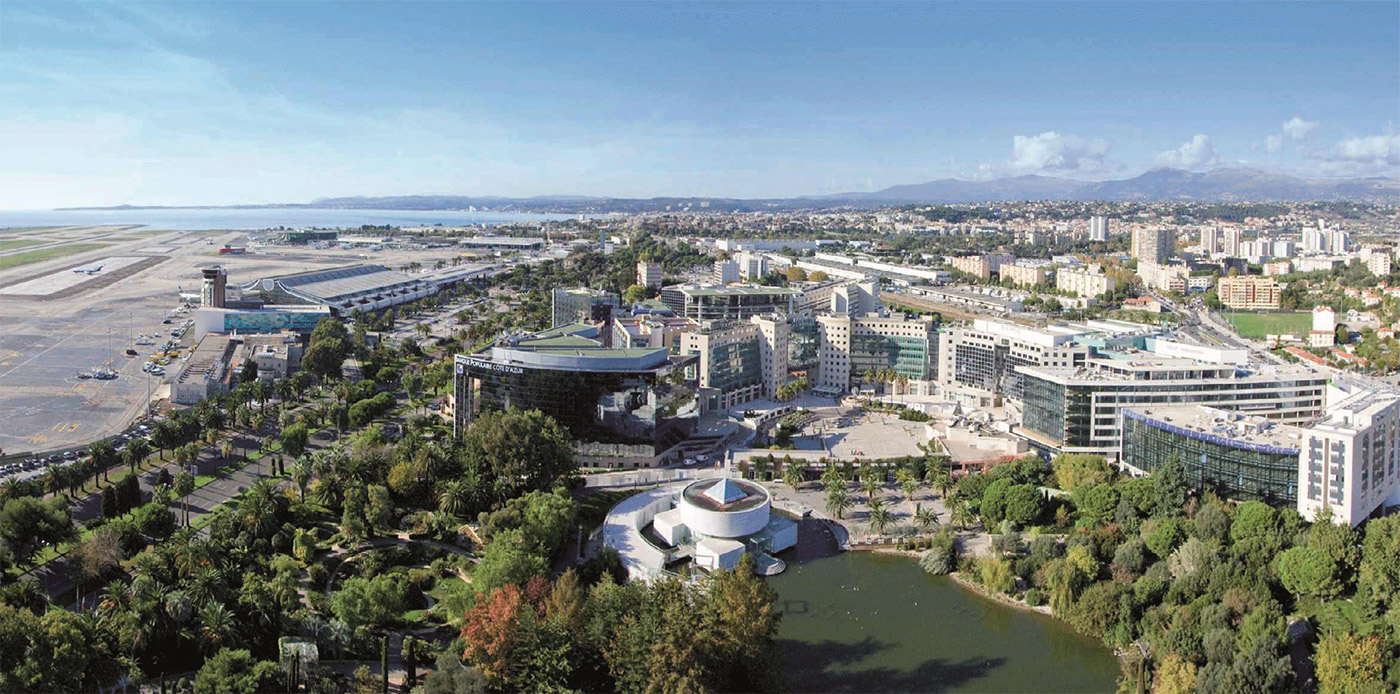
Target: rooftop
x=1232 y=427
x=739 y=495
x=736 y=290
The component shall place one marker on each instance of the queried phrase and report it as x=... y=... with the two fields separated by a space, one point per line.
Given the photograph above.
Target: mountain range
x=1157 y=185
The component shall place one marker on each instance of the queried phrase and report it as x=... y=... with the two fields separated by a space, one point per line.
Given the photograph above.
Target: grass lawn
x=18 y=259
x=11 y=244
x=1260 y=324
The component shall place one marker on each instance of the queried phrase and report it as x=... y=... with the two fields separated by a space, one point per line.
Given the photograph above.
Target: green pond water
x=864 y=622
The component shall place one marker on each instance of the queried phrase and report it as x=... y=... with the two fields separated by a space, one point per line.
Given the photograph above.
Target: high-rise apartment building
x=752 y=266
x=1085 y=282
x=1153 y=245
x=1210 y=240
x=1025 y=275
x=1338 y=241
x=1232 y=242
x=1098 y=228
x=1350 y=462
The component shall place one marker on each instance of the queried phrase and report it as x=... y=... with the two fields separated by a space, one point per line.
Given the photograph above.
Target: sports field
x=1258 y=325
x=27 y=257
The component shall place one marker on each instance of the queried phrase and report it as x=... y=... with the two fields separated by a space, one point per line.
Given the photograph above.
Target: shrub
x=941 y=557
x=1034 y=597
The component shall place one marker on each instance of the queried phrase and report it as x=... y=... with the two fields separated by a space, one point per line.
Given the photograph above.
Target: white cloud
x=1381 y=150
x=1298 y=129
x=1196 y=153
x=1273 y=143
x=1051 y=151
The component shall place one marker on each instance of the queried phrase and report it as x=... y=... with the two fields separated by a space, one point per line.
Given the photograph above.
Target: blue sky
x=251 y=102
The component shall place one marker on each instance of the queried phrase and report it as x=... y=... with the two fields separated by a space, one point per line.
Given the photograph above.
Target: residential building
x=1379 y=264
x=752 y=266
x=1284 y=248
x=1348 y=464
x=1231 y=246
x=1251 y=293
x=1324 y=327
x=582 y=305
x=1026 y=275
x=1098 y=228
x=1338 y=241
x=726 y=272
x=1278 y=267
x=1314 y=241
x=1084 y=283
x=852 y=345
x=982 y=266
x=1153 y=245
x=1165 y=278
x=1210 y=240
x=649 y=275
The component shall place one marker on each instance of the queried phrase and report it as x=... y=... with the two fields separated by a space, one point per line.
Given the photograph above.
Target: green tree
x=236 y=672
x=184 y=486
x=1169 y=485
x=1096 y=502
x=635 y=294
x=880 y=518
x=1024 y=504
x=1074 y=470
x=294 y=439
x=524 y=450
x=995 y=574
x=1350 y=664
x=28 y=524
x=1306 y=571
x=370 y=601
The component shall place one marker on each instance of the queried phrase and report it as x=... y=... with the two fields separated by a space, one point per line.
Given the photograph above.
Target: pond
x=866 y=622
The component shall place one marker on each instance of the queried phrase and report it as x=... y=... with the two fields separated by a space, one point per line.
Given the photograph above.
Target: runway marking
x=49 y=349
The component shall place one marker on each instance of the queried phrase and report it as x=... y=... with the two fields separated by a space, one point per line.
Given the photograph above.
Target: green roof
x=742 y=291
x=559 y=341
x=561 y=330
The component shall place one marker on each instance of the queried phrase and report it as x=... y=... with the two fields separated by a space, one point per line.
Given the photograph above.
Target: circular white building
x=725 y=508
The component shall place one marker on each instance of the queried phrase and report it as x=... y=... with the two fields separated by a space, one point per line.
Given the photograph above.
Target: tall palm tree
x=217 y=626
x=909 y=487
x=301 y=475
x=184 y=486
x=455 y=498
x=960 y=512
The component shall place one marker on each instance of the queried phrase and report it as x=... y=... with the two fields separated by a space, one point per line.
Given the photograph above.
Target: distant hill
x=1164 y=184
x=1157 y=185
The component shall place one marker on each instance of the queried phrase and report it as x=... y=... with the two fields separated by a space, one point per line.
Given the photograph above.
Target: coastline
x=965 y=583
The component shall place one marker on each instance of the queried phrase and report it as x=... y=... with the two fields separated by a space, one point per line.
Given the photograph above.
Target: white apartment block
x=1249 y=293
x=1278 y=267
x=1166 y=278
x=1350 y=461
x=1232 y=242
x=1098 y=228
x=1084 y=283
x=774 y=333
x=726 y=272
x=1379 y=264
x=1024 y=276
x=752 y=266
x=649 y=275
x=1210 y=240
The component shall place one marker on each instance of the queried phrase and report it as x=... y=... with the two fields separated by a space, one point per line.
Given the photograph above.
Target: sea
x=198 y=219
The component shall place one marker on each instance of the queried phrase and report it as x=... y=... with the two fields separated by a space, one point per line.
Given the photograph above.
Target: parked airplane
x=89 y=270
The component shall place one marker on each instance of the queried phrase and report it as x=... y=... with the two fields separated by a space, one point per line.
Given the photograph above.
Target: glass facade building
x=1235 y=469
x=910 y=357
x=607 y=396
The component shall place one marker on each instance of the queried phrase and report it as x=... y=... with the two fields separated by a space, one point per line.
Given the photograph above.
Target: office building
x=1098 y=228
x=1088 y=282
x=1236 y=456
x=708 y=302
x=726 y=272
x=1348 y=463
x=1078 y=409
x=740 y=360
x=503 y=243
x=983 y=355
x=214 y=290
x=1250 y=293
x=649 y=331
x=649 y=275
x=852 y=345
x=1153 y=245
x=621 y=406
x=582 y=305
x=214 y=364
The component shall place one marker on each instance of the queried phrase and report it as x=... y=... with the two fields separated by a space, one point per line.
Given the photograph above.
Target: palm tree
x=184 y=486
x=925 y=517
x=301 y=474
x=909 y=487
x=837 y=501
x=880 y=518
x=792 y=475
x=832 y=476
x=939 y=477
x=455 y=498
x=870 y=485
x=217 y=626
x=960 y=512
x=226 y=449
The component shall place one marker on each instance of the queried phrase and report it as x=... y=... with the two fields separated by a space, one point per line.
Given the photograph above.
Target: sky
x=259 y=102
